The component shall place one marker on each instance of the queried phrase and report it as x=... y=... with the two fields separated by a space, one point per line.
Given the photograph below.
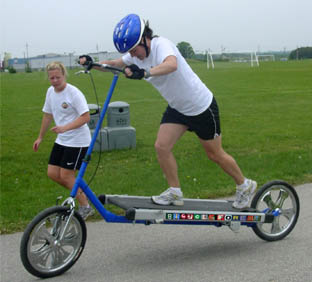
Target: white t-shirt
x=182 y=89
x=66 y=106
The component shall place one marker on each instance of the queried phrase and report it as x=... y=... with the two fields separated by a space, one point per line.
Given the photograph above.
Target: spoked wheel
x=53 y=242
x=281 y=200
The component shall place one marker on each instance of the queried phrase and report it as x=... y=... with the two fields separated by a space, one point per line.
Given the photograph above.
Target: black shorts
x=67 y=157
x=206 y=125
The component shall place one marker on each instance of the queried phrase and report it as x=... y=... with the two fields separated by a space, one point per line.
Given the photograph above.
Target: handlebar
x=107 y=67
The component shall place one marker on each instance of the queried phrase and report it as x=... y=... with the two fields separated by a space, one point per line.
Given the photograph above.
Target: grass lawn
x=265 y=121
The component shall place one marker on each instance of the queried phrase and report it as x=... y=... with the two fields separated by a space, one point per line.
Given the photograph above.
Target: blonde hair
x=57 y=66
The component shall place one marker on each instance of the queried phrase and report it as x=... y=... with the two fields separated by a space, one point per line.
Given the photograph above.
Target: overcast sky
x=83 y=26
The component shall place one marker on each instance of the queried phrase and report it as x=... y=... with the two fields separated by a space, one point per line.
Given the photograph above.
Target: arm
x=46 y=121
x=169 y=65
x=78 y=122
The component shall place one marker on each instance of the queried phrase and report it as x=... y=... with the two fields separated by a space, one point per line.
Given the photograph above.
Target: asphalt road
x=162 y=253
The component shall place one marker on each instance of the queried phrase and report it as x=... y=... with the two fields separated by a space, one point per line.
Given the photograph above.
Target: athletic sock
x=244 y=184
x=176 y=189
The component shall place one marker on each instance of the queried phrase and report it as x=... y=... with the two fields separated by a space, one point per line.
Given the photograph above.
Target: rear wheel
x=281 y=200
x=53 y=242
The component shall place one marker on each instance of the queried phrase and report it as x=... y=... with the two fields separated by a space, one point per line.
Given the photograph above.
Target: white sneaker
x=85 y=212
x=169 y=197
x=243 y=195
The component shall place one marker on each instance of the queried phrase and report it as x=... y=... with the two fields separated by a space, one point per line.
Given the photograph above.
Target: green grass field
x=265 y=120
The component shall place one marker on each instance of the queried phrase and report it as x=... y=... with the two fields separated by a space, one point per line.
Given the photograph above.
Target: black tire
x=42 y=254
x=276 y=196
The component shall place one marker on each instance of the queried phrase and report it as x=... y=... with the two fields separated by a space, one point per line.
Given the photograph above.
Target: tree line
x=301 y=53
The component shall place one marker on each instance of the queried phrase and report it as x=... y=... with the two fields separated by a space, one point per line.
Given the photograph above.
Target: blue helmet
x=128 y=33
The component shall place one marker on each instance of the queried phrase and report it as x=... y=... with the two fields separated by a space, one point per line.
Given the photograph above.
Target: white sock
x=176 y=190
x=244 y=184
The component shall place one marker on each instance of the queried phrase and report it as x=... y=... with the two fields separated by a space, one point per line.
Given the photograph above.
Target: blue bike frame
x=80 y=183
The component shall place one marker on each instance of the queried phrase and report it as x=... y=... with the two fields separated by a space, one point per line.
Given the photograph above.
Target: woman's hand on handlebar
x=107 y=65
x=86 y=60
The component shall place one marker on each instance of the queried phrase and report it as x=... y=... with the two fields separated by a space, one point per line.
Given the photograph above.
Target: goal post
x=254 y=59
x=250 y=57
x=266 y=57
x=209 y=60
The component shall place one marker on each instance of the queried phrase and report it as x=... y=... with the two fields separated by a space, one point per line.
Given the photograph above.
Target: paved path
x=122 y=252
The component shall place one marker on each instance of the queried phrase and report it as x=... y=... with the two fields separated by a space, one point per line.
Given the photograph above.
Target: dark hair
x=148 y=32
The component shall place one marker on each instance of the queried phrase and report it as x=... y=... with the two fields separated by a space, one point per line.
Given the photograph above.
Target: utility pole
x=27 y=51
x=27 y=68
x=97 y=51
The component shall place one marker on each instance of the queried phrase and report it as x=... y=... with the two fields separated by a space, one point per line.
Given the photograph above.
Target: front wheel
x=53 y=241
x=280 y=199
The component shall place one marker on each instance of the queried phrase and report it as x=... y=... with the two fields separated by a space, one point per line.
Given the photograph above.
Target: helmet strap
x=144 y=44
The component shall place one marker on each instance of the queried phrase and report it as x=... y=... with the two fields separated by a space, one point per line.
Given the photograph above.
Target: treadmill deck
x=130 y=202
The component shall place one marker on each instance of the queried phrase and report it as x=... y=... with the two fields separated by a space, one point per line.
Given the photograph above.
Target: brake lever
x=82 y=71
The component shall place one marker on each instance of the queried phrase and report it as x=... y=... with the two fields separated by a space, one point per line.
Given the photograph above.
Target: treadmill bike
x=55 y=239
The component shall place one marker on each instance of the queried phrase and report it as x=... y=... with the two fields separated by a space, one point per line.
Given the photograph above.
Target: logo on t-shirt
x=64 y=105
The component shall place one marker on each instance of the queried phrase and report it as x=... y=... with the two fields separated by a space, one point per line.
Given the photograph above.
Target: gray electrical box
x=118 y=134
x=121 y=137
x=95 y=111
x=101 y=142
x=118 y=114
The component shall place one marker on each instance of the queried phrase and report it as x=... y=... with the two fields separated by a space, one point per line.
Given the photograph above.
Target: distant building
x=69 y=60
